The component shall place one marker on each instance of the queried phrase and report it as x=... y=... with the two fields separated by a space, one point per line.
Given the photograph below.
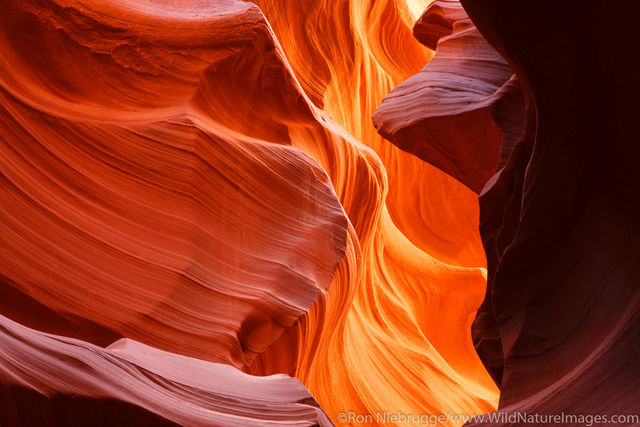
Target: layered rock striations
x=142 y=213
x=463 y=112
x=206 y=184
x=196 y=207
x=54 y=380
x=414 y=249
x=195 y=198
x=136 y=204
x=559 y=323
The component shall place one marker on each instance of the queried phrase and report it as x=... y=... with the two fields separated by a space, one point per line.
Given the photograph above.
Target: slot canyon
x=319 y=212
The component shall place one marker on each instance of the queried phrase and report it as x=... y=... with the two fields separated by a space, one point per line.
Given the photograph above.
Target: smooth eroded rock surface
x=560 y=221
x=204 y=178
x=53 y=380
x=462 y=107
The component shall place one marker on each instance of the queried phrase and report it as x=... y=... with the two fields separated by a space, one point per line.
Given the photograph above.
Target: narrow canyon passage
x=161 y=202
x=316 y=212
x=401 y=340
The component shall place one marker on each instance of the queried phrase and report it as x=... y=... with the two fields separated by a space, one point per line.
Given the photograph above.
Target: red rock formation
x=559 y=326
x=462 y=107
x=463 y=112
x=54 y=380
x=411 y=250
x=564 y=291
x=168 y=177
x=136 y=204
x=134 y=209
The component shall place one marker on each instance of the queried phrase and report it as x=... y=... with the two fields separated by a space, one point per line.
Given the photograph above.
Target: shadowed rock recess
x=317 y=212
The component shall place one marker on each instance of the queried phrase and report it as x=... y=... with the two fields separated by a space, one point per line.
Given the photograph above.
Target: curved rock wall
x=203 y=180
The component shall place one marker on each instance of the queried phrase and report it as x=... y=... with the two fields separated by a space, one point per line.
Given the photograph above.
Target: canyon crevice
x=218 y=212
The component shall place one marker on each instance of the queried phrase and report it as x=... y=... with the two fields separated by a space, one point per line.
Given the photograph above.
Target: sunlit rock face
x=217 y=212
x=463 y=112
x=137 y=210
x=197 y=207
x=558 y=328
x=393 y=331
x=128 y=210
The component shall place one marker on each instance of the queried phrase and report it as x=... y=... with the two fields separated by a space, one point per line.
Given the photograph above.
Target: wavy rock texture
x=560 y=220
x=54 y=380
x=416 y=275
x=205 y=181
x=462 y=107
x=128 y=210
x=463 y=112
x=161 y=225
